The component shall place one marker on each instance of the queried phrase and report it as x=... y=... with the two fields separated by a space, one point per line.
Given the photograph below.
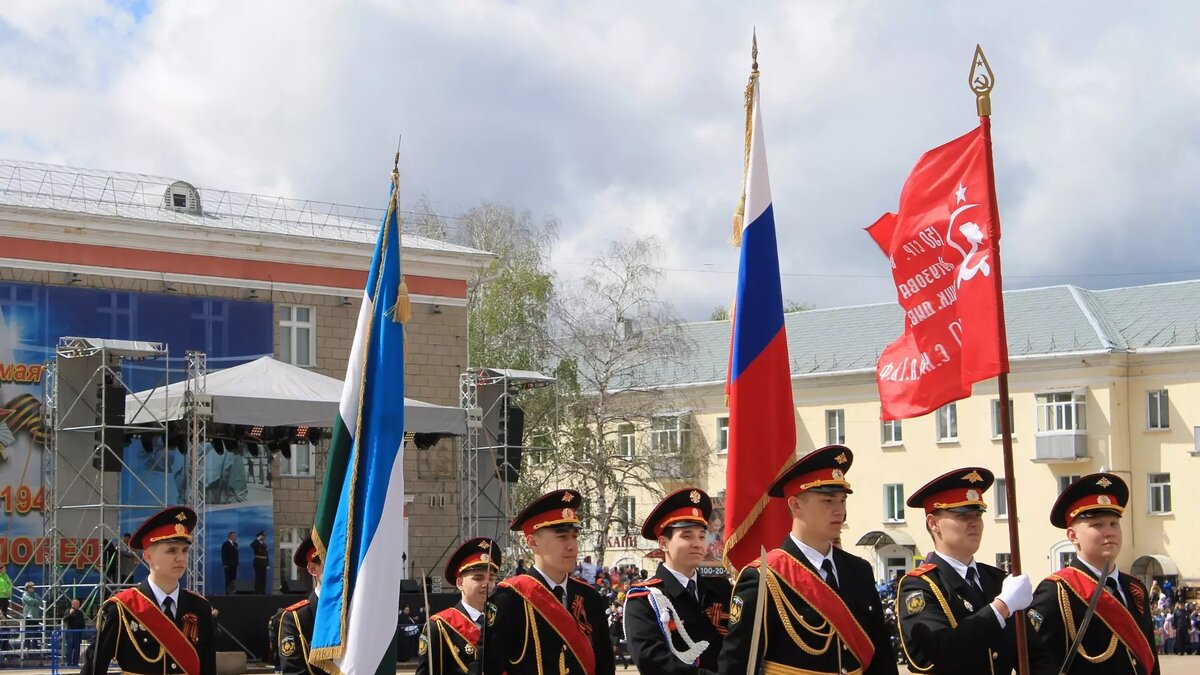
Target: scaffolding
x=491 y=460
x=197 y=411
x=86 y=405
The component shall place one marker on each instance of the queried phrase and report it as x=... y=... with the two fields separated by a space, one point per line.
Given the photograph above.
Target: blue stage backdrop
x=231 y=332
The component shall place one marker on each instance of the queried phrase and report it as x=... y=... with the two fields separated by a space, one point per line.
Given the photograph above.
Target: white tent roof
x=271 y=393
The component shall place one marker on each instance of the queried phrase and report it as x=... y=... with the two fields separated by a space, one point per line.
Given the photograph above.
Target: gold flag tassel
x=402 y=312
x=739 y=216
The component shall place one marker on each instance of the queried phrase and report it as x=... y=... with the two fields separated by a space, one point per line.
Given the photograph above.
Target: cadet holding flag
x=545 y=621
x=295 y=627
x=676 y=621
x=450 y=644
x=956 y=613
x=821 y=611
x=156 y=626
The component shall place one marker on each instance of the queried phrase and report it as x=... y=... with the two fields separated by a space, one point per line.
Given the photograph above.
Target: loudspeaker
x=512 y=433
x=110 y=441
x=410 y=586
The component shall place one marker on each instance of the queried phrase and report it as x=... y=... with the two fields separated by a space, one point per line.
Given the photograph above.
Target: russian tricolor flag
x=762 y=418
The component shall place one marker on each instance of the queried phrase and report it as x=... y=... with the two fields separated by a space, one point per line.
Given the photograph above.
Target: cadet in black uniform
x=1120 y=637
x=676 y=620
x=156 y=627
x=823 y=614
x=261 y=561
x=296 y=624
x=454 y=633
x=545 y=622
x=956 y=613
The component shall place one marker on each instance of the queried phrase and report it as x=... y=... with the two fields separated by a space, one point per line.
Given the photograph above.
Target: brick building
x=121 y=243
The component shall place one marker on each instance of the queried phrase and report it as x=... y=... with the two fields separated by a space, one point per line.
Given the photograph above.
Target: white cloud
x=625 y=116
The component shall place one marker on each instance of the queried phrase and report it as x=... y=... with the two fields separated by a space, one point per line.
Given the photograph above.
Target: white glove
x=1016 y=593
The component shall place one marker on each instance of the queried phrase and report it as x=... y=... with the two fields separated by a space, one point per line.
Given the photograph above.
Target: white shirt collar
x=1115 y=574
x=160 y=594
x=550 y=581
x=961 y=567
x=472 y=613
x=683 y=581
x=814 y=556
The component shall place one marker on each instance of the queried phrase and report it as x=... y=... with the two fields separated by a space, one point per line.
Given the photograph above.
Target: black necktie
x=974 y=587
x=561 y=595
x=830 y=577
x=691 y=589
x=169 y=607
x=1112 y=586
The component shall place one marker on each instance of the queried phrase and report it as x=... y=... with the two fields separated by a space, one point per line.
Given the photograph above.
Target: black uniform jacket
x=295 y=633
x=510 y=635
x=945 y=628
x=260 y=552
x=444 y=651
x=1055 y=606
x=707 y=620
x=120 y=636
x=856 y=583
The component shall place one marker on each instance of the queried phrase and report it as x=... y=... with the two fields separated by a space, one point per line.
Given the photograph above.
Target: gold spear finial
x=402 y=311
x=982 y=80
x=739 y=214
x=754 y=49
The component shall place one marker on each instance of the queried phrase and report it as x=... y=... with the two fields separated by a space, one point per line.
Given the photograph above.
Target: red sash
x=824 y=601
x=1112 y=613
x=147 y=613
x=461 y=624
x=542 y=600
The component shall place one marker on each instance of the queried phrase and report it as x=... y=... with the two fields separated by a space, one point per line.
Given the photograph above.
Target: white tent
x=271 y=393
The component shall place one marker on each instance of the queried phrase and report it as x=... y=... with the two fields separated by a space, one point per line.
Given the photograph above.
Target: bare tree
x=612 y=336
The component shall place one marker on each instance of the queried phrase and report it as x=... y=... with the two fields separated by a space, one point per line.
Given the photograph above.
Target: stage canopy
x=271 y=393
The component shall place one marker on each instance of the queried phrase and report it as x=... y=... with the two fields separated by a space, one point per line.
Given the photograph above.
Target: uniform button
x=173 y=666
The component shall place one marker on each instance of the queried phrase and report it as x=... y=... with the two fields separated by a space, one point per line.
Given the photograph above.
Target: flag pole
x=982 y=81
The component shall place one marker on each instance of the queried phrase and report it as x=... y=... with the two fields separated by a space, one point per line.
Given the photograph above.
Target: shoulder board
x=923 y=569
x=638 y=592
x=649 y=582
x=296 y=606
x=754 y=563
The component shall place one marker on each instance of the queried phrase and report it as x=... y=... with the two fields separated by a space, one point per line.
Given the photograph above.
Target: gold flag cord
x=739 y=216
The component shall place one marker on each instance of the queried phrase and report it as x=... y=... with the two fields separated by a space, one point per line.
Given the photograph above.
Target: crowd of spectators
x=1176 y=620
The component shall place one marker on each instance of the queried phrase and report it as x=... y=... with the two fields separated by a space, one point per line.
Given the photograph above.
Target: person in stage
x=545 y=621
x=823 y=614
x=1120 y=637
x=156 y=626
x=676 y=620
x=450 y=643
x=956 y=613
x=229 y=562
x=296 y=624
x=261 y=561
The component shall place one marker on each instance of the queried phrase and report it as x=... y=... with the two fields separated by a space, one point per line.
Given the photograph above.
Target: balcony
x=1062 y=446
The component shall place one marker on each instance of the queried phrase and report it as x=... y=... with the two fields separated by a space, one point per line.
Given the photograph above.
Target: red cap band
x=824 y=477
x=689 y=514
x=954 y=498
x=550 y=519
x=1092 y=503
x=169 y=531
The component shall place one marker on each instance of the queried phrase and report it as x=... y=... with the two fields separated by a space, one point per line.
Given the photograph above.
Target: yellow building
x=1101 y=380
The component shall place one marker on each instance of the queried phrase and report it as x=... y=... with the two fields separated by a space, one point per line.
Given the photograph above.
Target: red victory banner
x=943 y=244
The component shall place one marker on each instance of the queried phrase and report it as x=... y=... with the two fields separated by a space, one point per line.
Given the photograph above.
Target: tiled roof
x=141 y=197
x=1040 y=321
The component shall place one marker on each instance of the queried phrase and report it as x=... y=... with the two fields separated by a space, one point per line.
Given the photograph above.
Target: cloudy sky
x=625 y=119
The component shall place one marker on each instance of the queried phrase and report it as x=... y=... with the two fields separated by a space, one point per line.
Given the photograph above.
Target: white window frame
x=289 y=326
x=1012 y=427
x=626 y=440
x=835 y=426
x=1000 y=498
x=288 y=540
x=891 y=433
x=1159 y=494
x=947 y=416
x=893 y=503
x=722 y=435
x=1158 y=410
x=291 y=467
x=1061 y=412
x=670 y=433
x=1065 y=481
x=627 y=507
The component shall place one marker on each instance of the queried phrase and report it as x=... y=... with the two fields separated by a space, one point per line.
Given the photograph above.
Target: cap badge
x=483 y=557
x=180 y=529
x=973 y=477
x=972 y=495
x=841 y=458
x=694 y=496
x=1104 y=482
x=838 y=474
x=1104 y=499
x=568 y=497
x=696 y=512
x=181 y=516
x=485 y=544
x=568 y=514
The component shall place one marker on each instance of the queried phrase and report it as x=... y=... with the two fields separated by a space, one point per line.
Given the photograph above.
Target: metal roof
x=1039 y=321
x=138 y=196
